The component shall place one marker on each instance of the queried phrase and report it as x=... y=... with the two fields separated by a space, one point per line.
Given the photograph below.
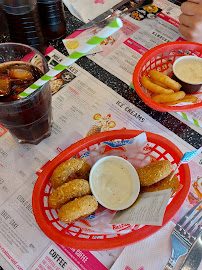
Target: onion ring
x=168 y=98
x=146 y=82
x=63 y=172
x=77 y=209
x=164 y=79
x=63 y=194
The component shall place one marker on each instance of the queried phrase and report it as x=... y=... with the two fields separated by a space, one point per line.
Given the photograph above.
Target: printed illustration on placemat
x=101 y=123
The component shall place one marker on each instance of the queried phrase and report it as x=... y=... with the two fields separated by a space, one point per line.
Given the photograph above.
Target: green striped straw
x=191 y=119
x=107 y=31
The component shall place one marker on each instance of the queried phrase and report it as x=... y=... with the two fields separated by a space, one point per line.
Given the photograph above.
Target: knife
x=107 y=14
x=194 y=257
x=103 y=16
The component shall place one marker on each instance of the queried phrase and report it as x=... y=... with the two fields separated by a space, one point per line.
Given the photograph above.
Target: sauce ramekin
x=189 y=87
x=111 y=184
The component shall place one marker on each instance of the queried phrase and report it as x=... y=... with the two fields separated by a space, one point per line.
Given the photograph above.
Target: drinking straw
x=189 y=117
x=107 y=31
x=188 y=156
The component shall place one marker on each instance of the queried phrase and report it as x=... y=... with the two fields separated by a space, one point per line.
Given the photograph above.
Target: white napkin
x=86 y=10
x=149 y=254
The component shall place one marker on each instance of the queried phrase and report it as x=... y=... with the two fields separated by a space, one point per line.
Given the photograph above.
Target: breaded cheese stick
x=63 y=194
x=77 y=209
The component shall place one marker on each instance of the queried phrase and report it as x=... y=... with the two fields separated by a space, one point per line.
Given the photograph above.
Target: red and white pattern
x=88 y=228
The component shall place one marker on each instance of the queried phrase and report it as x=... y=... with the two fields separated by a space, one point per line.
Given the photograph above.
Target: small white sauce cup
x=134 y=181
x=187 y=86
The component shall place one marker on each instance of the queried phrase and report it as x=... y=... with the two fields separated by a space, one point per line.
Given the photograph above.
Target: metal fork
x=184 y=235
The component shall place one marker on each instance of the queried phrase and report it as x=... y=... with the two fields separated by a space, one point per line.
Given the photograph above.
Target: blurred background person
x=191 y=20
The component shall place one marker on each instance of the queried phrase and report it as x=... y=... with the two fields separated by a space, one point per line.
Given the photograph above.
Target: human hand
x=191 y=20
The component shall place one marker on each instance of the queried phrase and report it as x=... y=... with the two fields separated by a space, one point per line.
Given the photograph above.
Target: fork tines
x=189 y=227
x=184 y=234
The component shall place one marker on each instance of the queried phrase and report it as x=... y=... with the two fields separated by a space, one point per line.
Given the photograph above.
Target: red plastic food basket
x=70 y=234
x=162 y=58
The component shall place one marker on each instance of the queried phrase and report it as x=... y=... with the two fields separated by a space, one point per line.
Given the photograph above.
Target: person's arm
x=191 y=20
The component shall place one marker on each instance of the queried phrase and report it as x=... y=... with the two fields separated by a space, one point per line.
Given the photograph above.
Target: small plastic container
x=114 y=182
x=189 y=85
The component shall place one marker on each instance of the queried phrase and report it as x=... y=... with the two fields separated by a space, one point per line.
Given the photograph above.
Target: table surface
x=172 y=123
x=166 y=119
x=175 y=124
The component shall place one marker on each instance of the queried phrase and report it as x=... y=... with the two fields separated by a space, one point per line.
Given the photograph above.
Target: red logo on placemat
x=109 y=148
x=99 y=1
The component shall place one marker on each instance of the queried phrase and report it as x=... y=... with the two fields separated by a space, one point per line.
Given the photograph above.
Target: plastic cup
x=29 y=119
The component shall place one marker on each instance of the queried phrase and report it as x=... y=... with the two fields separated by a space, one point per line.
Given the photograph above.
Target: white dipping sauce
x=189 y=69
x=112 y=182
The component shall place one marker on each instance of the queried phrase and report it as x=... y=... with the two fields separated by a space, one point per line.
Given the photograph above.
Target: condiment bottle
x=3 y=24
x=23 y=23
x=52 y=18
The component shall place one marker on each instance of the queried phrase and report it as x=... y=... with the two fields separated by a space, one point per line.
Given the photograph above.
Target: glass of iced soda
x=27 y=119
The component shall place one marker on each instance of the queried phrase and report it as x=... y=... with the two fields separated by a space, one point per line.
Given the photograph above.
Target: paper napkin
x=72 y=44
x=86 y=10
x=150 y=254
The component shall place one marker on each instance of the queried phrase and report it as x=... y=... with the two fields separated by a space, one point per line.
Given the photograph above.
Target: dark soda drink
x=15 y=77
x=52 y=18
x=24 y=26
x=28 y=119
